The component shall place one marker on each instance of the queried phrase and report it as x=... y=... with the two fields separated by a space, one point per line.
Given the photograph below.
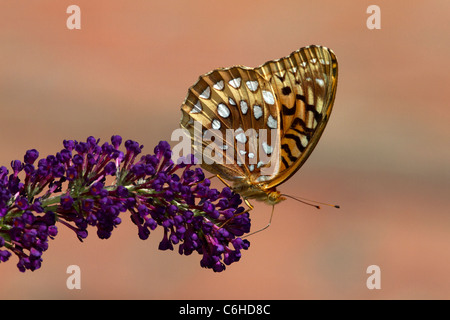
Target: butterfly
x=289 y=99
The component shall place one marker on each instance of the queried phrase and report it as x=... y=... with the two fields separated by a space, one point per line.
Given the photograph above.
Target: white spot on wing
x=197 y=108
x=257 y=111
x=231 y=101
x=206 y=93
x=215 y=124
x=320 y=82
x=252 y=85
x=244 y=106
x=240 y=136
x=223 y=110
x=218 y=85
x=268 y=97
x=235 y=83
x=272 y=122
x=267 y=149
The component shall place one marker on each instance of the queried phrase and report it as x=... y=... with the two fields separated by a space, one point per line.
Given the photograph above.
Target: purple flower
x=31 y=156
x=116 y=141
x=29 y=235
x=66 y=202
x=72 y=173
x=70 y=188
x=22 y=203
x=96 y=188
x=203 y=226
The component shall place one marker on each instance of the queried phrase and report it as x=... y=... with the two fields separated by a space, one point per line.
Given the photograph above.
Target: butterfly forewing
x=290 y=98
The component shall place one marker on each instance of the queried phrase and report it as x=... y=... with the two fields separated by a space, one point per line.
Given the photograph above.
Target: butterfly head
x=274 y=196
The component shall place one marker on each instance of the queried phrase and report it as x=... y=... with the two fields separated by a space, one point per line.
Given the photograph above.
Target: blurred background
x=384 y=156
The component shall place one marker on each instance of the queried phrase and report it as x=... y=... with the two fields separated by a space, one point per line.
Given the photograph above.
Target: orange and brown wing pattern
x=305 y=86
x=238 y=99
x=290 y=98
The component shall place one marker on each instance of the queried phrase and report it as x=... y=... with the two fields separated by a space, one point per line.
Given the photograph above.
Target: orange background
x=384 y=156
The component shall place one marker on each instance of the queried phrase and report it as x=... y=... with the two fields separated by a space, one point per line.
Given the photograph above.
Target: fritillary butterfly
x=291 y=98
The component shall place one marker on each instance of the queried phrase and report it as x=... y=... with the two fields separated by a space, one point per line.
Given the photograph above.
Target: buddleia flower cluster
x=87 y=186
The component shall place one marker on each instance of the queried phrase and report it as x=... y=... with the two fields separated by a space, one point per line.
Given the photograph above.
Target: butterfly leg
x=249 y=205
x=268 y=225
x=223 y=180
x=214 y=176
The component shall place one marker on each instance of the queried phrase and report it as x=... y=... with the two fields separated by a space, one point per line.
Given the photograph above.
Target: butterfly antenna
x=308 y=202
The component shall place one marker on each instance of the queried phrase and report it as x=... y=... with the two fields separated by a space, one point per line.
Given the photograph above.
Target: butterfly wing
x=305 y=85
x=290 y=98
x=233 y=100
